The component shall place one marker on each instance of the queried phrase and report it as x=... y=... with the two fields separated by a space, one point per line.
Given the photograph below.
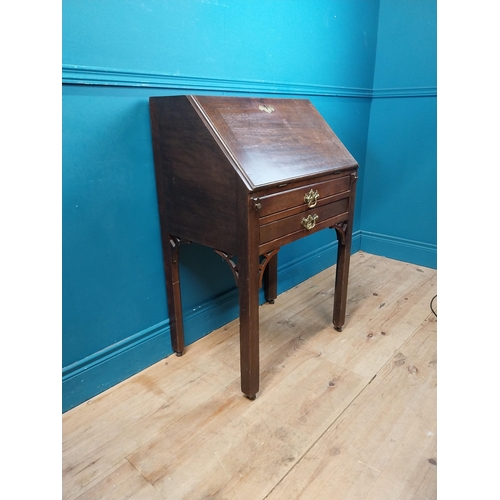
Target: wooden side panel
x=195 y=180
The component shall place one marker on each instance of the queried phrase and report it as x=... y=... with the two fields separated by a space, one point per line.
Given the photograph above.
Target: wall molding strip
x=415 y=252
x=87 y=75
x=109 y=352
x=405 y=92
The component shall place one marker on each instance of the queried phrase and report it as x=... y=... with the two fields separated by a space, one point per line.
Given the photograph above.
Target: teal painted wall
x=327 y=42
x=399 y=201
x=115 y=56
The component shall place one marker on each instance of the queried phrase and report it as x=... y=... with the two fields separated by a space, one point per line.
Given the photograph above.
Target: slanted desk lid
x=274 y=140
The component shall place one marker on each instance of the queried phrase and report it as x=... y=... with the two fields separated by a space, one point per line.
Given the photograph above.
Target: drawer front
x=307 y=196
x=303 y=222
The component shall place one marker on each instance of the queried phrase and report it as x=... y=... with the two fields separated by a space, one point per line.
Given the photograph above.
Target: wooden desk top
x=274 y=140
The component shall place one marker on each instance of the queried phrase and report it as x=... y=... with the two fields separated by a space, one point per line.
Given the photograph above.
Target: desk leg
x=344 y=233
x=171 y=267
x=248 y=284
x=344 y=236
x=271 y=279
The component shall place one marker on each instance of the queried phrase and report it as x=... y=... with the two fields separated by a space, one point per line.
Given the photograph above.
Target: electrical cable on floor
x=432 y=309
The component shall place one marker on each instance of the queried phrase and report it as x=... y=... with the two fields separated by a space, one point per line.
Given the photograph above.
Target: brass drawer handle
x=311 y=198
x=310 y=221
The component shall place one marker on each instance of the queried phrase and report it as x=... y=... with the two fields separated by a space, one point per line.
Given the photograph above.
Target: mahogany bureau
x=246 y=176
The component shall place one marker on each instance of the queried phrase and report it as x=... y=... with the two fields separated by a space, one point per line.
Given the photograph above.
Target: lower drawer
x=303 y=222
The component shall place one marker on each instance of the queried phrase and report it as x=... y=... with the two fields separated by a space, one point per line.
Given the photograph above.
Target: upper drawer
x=307 y=196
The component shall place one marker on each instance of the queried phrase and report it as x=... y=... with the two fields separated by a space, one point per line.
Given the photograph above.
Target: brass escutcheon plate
x=266 y=108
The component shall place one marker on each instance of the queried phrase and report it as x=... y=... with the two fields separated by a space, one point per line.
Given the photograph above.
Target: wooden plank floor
x=348 y=415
